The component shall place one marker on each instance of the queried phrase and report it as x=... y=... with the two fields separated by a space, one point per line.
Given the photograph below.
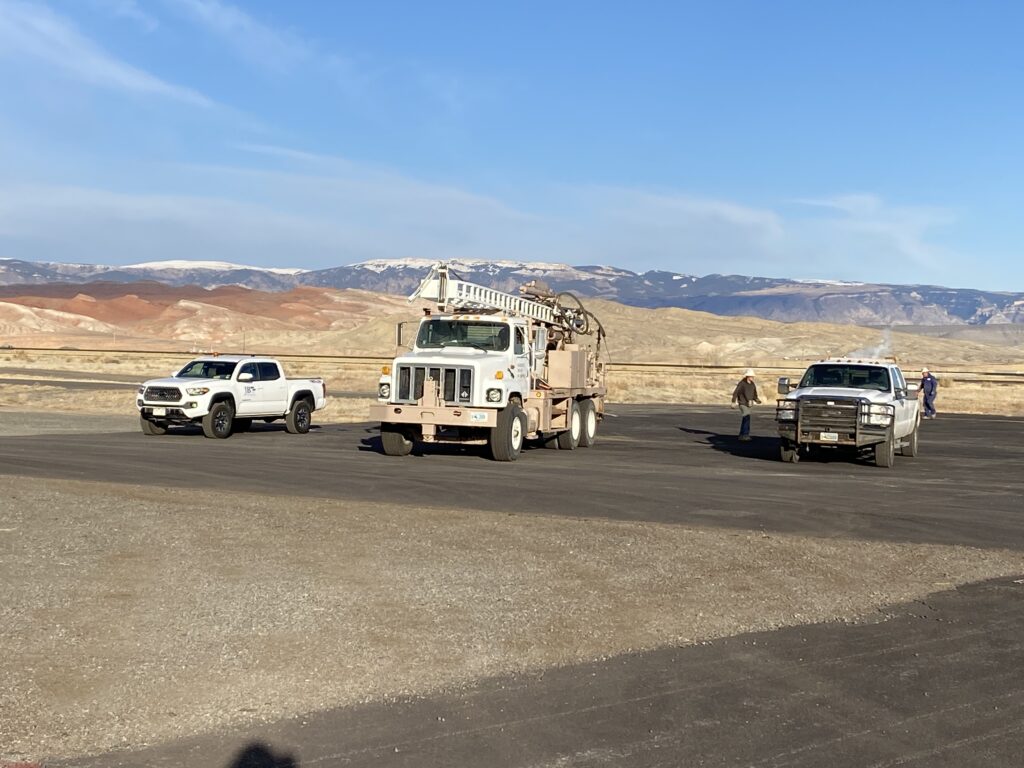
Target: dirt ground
x=133 y=615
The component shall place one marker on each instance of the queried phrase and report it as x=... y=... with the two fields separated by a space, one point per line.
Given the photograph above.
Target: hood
x=448 y=356
x=872 y=395
x=182 y=383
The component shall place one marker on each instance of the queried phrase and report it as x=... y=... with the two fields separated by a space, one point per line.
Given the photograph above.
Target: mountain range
x=779 y=299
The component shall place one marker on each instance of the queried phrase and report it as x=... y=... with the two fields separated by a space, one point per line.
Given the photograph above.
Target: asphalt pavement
x=933 y=683
x=669 y=464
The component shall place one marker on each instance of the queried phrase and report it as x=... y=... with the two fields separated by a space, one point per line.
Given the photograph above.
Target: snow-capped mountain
x=215 y=266
x=178 y=272
x=769 y=298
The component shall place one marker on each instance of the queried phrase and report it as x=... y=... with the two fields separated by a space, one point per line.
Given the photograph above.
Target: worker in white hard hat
x=745 y=396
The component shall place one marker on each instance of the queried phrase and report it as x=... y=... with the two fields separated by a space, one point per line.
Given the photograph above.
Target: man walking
x=929 y=388
x=745 y=395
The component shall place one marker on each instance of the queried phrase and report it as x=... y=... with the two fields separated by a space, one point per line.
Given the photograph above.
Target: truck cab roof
x=236 y=358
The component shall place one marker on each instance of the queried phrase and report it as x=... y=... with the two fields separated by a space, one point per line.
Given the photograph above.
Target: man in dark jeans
x=929 y=388
x=745 y=395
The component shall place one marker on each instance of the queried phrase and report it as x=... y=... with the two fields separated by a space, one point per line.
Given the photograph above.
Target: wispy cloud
x=900 y=230
x=292 y=207
x=259 y=43
x=130 y=10
x=282 y=50
x=287 y=153
x=34 y=31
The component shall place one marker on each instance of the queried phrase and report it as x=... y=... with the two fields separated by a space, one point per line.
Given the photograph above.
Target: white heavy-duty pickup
x=862 y=406
x=226 y=393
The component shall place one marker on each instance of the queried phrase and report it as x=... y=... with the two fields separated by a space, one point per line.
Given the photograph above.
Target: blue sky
x=871 y=141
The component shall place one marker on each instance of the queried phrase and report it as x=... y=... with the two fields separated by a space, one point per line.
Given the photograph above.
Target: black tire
x=151 y=427
x=218 y=422
x=241 y=425
x=910 y=448
x=569 y=440
x=299 y=418
x=506 y=440
x=885 y=454
x=395 y=440
x=588 y=423
x=789 y=452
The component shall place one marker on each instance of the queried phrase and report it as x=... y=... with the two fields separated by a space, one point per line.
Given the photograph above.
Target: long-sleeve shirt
x=929 y=385
x=745 y=393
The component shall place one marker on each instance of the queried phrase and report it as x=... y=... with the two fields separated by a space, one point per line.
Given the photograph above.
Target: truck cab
x=863 y=406
x=475 y=360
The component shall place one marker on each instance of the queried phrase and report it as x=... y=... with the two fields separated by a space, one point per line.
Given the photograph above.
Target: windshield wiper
x=464 y=344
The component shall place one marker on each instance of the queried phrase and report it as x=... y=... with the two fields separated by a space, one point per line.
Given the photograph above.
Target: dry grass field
x=313 y=329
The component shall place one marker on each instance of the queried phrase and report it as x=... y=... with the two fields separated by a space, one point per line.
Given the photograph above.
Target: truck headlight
x=141 y=390
x=494 y=395
x=876 y=415
x=785 y=410
x=197 y=390
x=384 y=391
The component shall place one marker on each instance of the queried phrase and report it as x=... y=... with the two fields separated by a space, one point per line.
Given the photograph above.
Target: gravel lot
x=133 y=614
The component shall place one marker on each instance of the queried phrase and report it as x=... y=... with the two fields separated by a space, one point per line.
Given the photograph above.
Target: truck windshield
x=844 y=375
x=207 y=369
x=434 y=334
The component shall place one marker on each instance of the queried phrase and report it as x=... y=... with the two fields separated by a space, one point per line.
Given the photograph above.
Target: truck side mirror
x=400 y=334
x=784 y=386
x=245 y=376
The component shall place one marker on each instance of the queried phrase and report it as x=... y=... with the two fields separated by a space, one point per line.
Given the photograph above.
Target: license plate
x=477 y=416
x=829 y=437
x=159 y=411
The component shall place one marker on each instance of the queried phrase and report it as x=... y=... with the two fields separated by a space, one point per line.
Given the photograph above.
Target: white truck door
x=521 y=358
x=248 y=392
x=273 y=389
x=904 y=405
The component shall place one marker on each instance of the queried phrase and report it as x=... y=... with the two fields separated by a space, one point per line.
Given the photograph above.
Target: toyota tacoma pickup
x=225 y=393
x=865 y=407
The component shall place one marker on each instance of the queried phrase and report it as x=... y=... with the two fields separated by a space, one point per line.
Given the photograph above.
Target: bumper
x=444 y=416
x=170 y=412
x=856 y=437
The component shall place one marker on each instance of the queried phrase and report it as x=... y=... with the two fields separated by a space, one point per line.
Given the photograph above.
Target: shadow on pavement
x=373 y=445
x=762 y=448
x=257 y=755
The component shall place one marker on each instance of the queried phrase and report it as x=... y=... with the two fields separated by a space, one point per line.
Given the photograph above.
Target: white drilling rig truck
x=496 y=369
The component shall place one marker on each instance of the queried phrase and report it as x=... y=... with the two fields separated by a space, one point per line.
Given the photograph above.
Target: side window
x=898 y=378
x=269 y=372
x=520 y=341
x=250 y=368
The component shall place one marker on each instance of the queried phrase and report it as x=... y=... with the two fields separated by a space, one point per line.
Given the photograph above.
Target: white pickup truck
x=864 y=406
x=225 y=393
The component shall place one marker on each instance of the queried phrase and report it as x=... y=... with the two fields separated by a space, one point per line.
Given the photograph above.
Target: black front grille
x=455 y=383
x=162 y=394
x=830 y=415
